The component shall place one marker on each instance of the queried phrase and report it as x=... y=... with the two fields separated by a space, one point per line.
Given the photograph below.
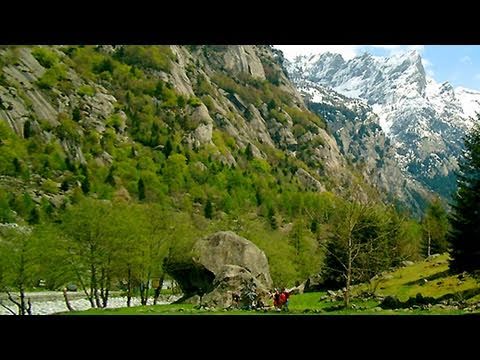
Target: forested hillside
x=113 y=159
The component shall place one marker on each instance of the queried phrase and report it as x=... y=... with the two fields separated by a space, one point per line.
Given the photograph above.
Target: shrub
x=106 y=65
x=50 y=186
x=391 y=302
x=46 y=57
x=154 y=57
x=203 y=87
x=86 y=90
x=194 y=101
x=52 y=76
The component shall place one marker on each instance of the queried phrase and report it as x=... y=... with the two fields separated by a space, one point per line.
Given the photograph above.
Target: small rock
x=331 y=293
x=72 y=287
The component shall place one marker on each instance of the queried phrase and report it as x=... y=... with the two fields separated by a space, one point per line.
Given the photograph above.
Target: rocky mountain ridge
x=423 y=120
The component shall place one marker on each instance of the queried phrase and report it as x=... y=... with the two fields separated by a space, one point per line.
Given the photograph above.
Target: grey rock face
x=243 y=59
x=360 y=138
x=309 y=181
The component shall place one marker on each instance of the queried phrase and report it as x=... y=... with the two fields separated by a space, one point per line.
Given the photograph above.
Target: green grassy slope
x=429 y=278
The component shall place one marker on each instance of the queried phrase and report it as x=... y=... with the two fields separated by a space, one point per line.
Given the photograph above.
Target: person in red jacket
x=284 y=295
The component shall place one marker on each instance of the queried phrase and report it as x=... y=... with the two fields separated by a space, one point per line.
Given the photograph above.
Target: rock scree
x=225 y=271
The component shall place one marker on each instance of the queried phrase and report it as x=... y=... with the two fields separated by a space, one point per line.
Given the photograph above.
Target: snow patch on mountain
x=424 y=120
x=469 y=100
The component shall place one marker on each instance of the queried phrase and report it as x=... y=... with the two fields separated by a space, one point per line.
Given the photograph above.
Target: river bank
x=51 y=302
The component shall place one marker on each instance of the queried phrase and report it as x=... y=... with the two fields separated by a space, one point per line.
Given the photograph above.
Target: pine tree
x=27 y=129
x=465 y=218
x=34 y=216
x=167 y=150
x=76 y=115
x=209 y=209
x=272 y=219
x=249 y=152
x=85 y=183
x=110 y=179
x=17 y=166
x=65 y=186
x=141 y=190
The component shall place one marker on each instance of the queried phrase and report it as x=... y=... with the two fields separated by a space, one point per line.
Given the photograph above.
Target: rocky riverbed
x=47 y=303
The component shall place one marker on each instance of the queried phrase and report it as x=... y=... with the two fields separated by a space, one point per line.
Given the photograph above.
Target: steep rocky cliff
x=80 y=111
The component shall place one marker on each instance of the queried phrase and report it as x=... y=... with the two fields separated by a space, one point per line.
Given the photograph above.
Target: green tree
x=18 y=266
x=249 y=152
x=54 y=256
x=358 y=246
x=34 y=216
x=167 y=150
x=208 y=210
x=85 y=181
x=141 y=189
x=464 y=237
x=27 y=129
x=92 y=231
x=17 y=166
x=110 y=179
x=76 y=114
x=175 y=172
x=272 y=218
x=435 y=228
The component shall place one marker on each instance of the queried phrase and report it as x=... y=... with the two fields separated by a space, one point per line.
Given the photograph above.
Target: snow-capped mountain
x=423 y=120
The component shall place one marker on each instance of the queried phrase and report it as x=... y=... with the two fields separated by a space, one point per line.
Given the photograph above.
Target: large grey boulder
x=235 y=287
x=227 y=248
x=225 y=270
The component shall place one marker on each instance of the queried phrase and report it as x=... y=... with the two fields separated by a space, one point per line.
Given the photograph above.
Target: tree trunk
x=93 y=285
x=144 y=293
x=349 y=274
x=22 y=300
x=29 y=308
x=144 y=288
x=129 y=286
x=84 y=287
x=347 y=289
x=19 y=306
x=105 y=300
x=67 y=302
x=105 y=286
x=158 y=289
